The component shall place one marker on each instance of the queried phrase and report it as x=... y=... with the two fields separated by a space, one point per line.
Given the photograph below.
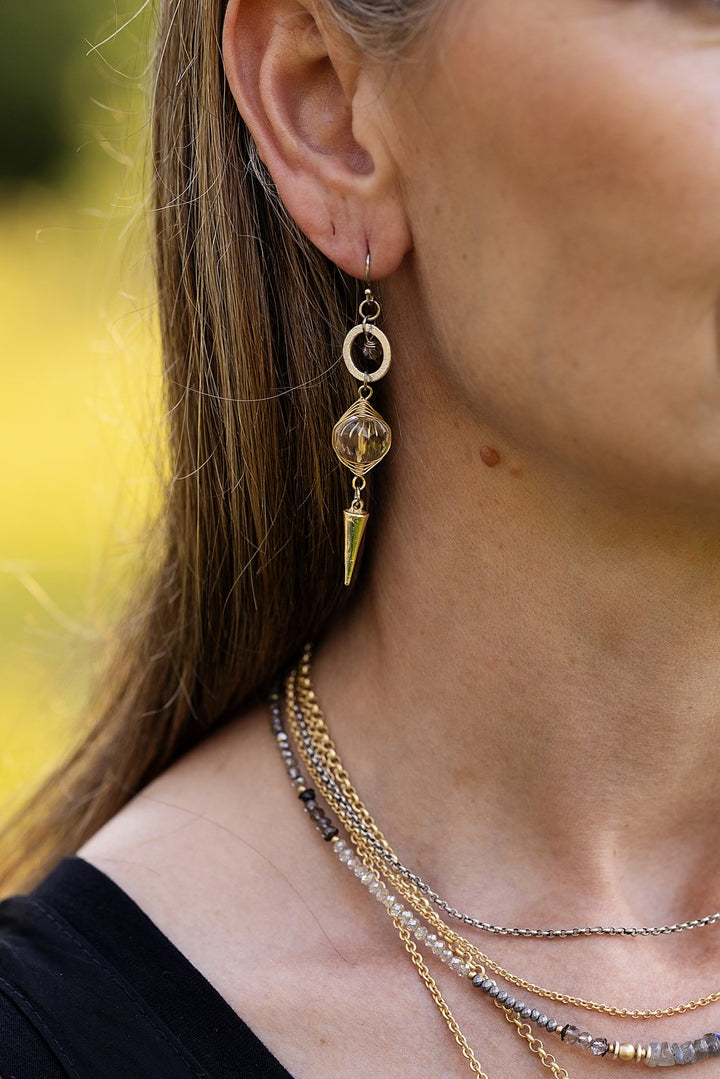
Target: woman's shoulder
x=66 y=981
x=103 y=963
x=218 y=854
x=90 y=987
x=190 y=846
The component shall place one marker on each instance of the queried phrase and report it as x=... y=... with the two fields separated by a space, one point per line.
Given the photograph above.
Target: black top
x=91 y=989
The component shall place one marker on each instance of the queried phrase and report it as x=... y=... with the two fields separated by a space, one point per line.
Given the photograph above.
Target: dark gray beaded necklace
x=653 y=1055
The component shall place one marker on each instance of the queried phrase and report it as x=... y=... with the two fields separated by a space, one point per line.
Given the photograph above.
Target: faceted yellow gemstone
x=361 y=438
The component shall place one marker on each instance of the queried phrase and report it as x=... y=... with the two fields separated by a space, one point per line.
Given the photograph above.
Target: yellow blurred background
x=79 y=399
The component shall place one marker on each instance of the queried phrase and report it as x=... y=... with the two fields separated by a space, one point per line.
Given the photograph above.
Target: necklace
x=372 y=860
x=314 y=735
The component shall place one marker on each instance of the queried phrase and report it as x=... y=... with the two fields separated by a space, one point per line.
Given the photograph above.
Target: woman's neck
x=529 y=685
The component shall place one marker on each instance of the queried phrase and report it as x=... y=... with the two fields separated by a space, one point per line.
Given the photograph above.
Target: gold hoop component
x=370 y=330
x=369 y=301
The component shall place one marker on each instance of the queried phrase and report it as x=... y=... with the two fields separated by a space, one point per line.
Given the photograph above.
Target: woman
x=524 y=684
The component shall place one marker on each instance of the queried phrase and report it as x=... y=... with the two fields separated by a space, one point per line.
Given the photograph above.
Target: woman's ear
x=303 y=92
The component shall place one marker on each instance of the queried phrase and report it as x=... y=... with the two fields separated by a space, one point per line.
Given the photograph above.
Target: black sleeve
x=24 y=1052
x=91 y=989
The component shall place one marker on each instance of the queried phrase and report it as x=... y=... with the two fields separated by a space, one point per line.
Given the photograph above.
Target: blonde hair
x=245 y=560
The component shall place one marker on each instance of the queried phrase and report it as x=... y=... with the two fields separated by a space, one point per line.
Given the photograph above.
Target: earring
x=361 y=437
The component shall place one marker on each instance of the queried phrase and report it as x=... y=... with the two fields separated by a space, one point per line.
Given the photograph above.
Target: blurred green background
x=79 y=390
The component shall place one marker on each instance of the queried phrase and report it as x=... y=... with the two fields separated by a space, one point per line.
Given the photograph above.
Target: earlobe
x=295 y=88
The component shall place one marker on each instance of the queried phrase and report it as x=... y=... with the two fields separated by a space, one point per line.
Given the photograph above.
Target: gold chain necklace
x=374 y=861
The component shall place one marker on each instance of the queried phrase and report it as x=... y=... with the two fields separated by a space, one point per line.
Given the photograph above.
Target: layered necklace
x=327 y=795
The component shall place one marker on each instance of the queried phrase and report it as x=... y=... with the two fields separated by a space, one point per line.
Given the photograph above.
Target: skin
x=526 y=690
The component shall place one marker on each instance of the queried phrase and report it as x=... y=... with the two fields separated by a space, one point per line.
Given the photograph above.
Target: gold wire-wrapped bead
x=361 y=437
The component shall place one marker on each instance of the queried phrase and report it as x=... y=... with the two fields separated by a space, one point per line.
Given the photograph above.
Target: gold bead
x=626 y=1052
x=640 y=1052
